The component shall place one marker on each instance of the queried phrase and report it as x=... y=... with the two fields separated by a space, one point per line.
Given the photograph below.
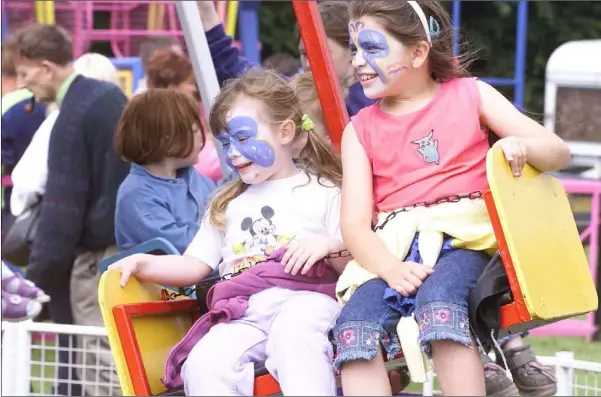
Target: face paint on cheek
x=396 y=67
x=242 y=131
x=375 y=47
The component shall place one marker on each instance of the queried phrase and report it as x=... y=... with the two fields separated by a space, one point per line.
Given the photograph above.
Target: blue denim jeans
x=369 y=320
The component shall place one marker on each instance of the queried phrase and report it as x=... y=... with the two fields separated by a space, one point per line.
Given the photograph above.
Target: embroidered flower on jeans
x=443 y=316
x=349 y=336
x=372 y=338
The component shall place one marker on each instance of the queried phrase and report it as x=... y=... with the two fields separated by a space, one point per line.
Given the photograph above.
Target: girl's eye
x=242 y=139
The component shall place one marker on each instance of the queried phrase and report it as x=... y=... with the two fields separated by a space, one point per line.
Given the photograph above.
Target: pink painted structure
x=128 y=22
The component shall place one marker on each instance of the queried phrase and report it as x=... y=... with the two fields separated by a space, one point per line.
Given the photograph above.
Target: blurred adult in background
x=19 y=122
x=76 y=225
x=30 y=174
x=169 y=69
x=284 y=64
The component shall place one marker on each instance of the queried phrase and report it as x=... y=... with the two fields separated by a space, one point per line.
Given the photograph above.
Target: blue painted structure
x=130 y=63
x=4 y=22
x=518 y=81
x=248 y=28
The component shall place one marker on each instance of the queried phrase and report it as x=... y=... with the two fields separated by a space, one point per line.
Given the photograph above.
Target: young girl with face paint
x=424 y=141
x=273 y=224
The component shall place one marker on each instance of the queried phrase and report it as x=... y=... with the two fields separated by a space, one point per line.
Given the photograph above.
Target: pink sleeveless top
x=437 y=151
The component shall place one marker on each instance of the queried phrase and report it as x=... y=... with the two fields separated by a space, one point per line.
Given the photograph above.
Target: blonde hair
x=281 y=103
x=96 y=66
x=309 y=100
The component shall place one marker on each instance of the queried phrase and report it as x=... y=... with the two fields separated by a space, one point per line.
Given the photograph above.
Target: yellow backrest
x=543 y=240
x=155 y=334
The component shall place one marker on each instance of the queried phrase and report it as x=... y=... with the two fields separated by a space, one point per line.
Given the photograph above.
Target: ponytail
x=320 y=158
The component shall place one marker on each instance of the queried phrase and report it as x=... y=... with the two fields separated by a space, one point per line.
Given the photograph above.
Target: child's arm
x=528 y=140
x=143 y=215
x=226 y=58
x=172 y=270
x=356 y=219
x=200 y=259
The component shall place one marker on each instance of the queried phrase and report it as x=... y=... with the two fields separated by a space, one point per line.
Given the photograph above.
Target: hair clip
x=307 y=124
x=434 y=28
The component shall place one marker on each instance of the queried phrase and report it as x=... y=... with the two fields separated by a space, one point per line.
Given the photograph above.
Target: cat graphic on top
x=428 y=148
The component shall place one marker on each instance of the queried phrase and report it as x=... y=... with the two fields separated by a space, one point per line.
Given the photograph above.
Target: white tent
x=575 y=64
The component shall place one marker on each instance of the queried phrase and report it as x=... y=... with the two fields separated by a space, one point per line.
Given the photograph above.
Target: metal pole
x=200 y=56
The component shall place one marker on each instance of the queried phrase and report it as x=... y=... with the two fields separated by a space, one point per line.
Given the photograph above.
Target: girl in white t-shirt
x=273 y=203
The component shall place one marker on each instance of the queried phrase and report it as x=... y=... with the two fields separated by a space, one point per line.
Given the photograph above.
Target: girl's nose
x=358 y=59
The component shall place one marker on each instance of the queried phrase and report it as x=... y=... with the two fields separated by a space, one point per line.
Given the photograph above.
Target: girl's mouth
x=243 y=167
x=367 y=77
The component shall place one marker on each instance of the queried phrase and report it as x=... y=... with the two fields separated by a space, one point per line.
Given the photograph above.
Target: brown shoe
x=496 y=381
x=399 y=379
x=531 y=377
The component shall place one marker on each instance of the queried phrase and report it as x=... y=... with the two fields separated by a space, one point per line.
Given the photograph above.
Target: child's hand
x=128 y=267
x=406 y=277
x=303 y=253
x=515 y=152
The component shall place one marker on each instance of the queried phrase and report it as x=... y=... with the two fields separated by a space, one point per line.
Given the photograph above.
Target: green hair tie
x=307 y=124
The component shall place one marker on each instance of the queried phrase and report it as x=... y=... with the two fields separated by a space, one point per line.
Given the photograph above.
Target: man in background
x=76 y=226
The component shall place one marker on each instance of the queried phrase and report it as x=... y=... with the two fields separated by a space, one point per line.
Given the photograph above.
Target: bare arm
x=172 y=270
x=357 y=206
x=208 y=15
x=545 y=150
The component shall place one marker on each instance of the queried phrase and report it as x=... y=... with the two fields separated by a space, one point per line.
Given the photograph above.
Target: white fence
x=36 y=373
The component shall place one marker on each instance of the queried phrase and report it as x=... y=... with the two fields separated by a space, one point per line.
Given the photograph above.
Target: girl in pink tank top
x=419 y=153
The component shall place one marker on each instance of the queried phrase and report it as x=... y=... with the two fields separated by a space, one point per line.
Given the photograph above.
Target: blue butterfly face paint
x=374 y=46
x=243 y=149
x=376 y=56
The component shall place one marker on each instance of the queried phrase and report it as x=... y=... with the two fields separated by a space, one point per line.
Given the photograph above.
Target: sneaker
x=496 y=381
x=18 y=308
x=531 y=377
x=18 y=285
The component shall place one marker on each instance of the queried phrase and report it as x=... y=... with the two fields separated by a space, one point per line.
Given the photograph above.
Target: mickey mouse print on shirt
x=263 y=240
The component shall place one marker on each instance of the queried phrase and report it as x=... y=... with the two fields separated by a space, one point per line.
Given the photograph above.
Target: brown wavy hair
x=157 y=124
x=281 y=103
x=401 y=21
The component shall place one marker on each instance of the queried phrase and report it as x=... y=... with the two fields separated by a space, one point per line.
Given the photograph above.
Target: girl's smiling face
x=382 y=62
x=252 y=146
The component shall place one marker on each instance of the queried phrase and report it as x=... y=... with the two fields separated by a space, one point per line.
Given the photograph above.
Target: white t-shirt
x=265 y=217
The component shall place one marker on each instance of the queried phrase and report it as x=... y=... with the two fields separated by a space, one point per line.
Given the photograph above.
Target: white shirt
x=31 y=172
x=265 y=217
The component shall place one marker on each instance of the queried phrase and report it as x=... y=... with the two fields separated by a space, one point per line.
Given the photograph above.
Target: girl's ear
x=287 y=132
x=420 y=54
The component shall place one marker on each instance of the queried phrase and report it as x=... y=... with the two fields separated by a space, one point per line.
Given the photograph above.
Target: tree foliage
x=489 y=27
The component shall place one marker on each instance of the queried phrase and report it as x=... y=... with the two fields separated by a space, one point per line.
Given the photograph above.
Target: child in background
x=275 y=223
x=170 y=69
x=21 y=299
x=163 y=196
x=425 y=140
